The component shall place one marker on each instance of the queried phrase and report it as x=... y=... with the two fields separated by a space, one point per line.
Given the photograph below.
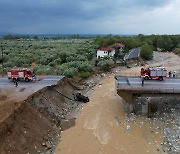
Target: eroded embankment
x=36 y=124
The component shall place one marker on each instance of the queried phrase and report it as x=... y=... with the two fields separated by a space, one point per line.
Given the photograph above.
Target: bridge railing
x=147 y=89
x=130 y=74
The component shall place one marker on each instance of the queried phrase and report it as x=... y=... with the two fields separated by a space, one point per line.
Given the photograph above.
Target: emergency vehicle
x=21 y=73
x=154 y=73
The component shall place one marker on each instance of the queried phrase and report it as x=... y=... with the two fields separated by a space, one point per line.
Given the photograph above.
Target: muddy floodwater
x=104 y=126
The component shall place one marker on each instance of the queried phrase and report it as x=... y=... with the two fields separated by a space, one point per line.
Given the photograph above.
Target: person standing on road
x=142 y=82
x=169 y=74
x=15 y=82
x=174 y=74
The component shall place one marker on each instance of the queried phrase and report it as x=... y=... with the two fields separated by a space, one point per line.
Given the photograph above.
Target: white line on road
x=150 y=83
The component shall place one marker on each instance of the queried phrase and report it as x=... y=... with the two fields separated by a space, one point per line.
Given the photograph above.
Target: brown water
x=104 y=127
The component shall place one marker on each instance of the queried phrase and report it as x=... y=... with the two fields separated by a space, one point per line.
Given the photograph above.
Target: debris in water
x=117 y=120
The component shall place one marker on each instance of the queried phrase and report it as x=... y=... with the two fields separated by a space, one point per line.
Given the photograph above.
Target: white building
x=105 y=51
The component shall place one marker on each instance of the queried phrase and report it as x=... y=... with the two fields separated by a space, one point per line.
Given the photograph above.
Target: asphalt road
x=136 y=82
x=41 y=81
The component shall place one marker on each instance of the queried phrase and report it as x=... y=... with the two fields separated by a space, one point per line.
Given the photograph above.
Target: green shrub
x=63 y=56
x=105 y=64
x=1 y=69
x=79 y=66
x=8 y=64
x=85 y=66
x=177 y=51
x=107 y=57
x=146 y=52
x=58 y=61
x=61 y=69
x=70 y=72
x=84 y=74
x=75 y=57
x=65 y=66
x=41 y=70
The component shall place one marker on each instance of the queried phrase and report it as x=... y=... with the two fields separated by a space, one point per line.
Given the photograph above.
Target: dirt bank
x=33 y=126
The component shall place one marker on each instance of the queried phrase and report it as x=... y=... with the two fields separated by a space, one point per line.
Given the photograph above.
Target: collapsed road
x=34 y=125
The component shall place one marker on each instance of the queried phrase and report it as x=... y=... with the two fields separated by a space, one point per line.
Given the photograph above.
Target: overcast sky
x=90 y=16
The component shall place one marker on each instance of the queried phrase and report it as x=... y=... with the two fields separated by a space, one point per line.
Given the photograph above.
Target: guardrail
x=148 y=89
x=129 y=74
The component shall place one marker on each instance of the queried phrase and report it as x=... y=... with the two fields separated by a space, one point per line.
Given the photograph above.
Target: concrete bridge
x=130 y=88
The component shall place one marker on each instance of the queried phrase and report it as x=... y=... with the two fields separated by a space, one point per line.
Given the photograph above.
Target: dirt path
x=104 y=127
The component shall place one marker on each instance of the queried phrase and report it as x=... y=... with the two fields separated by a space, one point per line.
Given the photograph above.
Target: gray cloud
x=73 y=8
x=33 y=13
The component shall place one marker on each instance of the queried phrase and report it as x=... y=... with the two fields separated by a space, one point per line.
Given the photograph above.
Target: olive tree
x=146 y=52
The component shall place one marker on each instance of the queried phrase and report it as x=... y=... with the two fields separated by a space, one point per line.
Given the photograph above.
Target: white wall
x=101 y=53
x=112 y=53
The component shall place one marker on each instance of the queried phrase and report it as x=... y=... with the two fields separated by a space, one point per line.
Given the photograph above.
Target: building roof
x=119 y=45
x=106 y=49
x=134 y=53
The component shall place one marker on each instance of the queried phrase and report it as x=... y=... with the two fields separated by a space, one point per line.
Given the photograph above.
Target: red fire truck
x=21 y=73
x=154 y=73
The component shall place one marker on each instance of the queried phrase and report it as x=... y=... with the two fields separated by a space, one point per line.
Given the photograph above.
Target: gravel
x=166 y=120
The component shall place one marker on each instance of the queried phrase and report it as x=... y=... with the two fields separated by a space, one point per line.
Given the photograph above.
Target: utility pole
x=2 y=58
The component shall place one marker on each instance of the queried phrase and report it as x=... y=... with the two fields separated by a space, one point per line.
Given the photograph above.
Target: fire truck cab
x=21 y=73
x=154 y=73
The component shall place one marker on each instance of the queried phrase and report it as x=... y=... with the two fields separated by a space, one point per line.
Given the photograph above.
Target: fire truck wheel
x=14 y=79
x=146 y=78
x=26 y=80
x=160 y=78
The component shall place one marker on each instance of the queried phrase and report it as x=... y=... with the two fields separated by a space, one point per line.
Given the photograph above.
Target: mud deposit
x=164 y=117
x=104 y=127
x=167 y=119
x=34 y=125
